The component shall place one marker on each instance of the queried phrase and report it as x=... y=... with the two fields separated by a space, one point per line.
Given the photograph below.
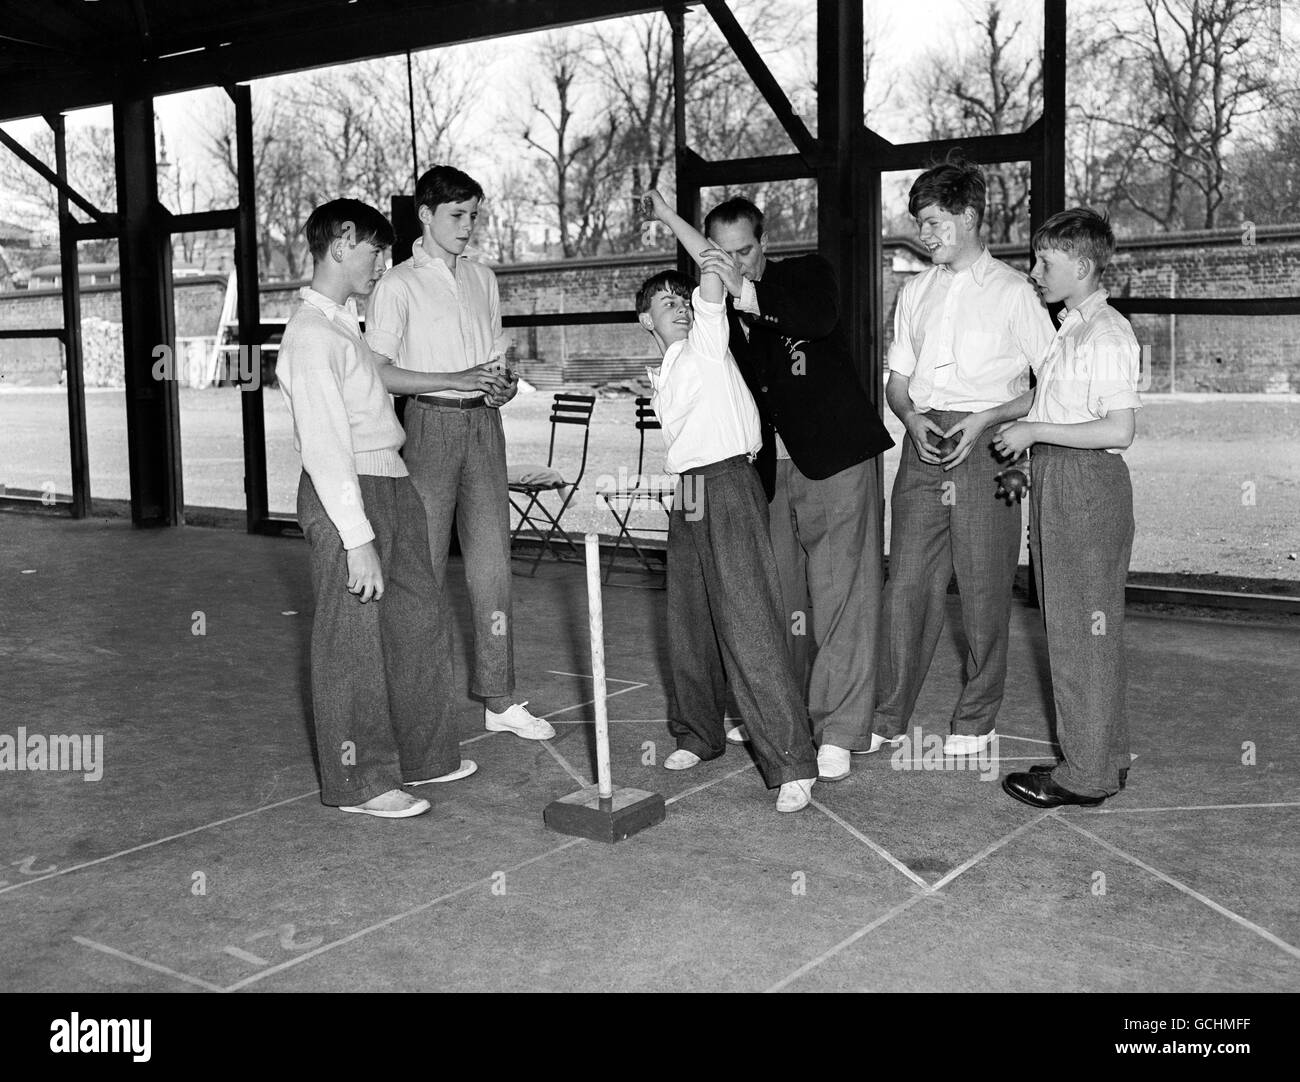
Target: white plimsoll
x=738 y=735
x=962 y=744
x=681 y=759
x=832 y=763
x=519 y=721
x=466 y=768
x=878 y=742
x=794 y=795
x=393 y=804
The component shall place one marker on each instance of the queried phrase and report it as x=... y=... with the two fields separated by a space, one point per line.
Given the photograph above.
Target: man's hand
x=365 y=577
x=1014 y=438
x=969 y=429
x=497 y=400
x=716 y=261
x=489 y=377
x=919 y=427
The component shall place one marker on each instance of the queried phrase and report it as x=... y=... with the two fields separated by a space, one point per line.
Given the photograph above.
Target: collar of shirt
x=331 y=308
x=1085 y=309
x=421 y=258
x=977 y=270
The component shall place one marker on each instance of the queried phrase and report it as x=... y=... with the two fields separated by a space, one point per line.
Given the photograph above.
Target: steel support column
x=70 y=276
x=148 y=321
x=687 y=182
x=250 y=317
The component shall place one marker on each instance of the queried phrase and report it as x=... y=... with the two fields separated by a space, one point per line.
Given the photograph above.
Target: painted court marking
x=1264 y=933
x=879 y=850
x=902 y=907
x=146 y=963
x=160 y=841
x=1189 y=807
x=245 y=956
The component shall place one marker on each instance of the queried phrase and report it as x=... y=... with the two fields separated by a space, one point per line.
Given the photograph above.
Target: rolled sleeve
x=1114 y=369
x=902 y=357
x=386 y=316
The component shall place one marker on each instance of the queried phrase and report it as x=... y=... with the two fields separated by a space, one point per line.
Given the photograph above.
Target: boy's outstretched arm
x=712 y=260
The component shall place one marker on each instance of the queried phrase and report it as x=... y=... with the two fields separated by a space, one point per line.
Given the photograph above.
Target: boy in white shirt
x=1081 y=510
x=434 y=324
x=380 y=669
x=724 y=595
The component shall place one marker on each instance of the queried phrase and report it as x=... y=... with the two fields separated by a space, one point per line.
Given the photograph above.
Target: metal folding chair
x=532 y=481
x=621 y=502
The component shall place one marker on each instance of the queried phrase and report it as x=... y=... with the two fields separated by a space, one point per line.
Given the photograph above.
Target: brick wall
x=1207 y=353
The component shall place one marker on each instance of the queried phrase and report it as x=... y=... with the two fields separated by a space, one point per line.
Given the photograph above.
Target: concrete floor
x=897 y=880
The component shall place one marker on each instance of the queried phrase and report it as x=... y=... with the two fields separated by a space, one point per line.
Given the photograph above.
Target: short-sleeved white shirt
x=967 y=339
x=426 y=319
x=1091 y=367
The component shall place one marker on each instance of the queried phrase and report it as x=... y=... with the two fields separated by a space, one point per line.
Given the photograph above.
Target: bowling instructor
x=966 y=334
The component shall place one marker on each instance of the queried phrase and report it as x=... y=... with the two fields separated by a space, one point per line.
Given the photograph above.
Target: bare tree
x=1190 y=72
x=993 y=87
x=577 y=155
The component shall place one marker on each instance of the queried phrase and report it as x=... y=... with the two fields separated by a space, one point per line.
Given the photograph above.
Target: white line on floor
x=146 y=963
x=708 y=784
x=1264 y=933
x=969 y=864
x=588 y=702
x=807 y=967
x=160 y=841
x=588 y=676
x=1027 y=739
x=477 y=884
x=879 y=850
x=568 y=767
x=245 y=956
x=1188 y=807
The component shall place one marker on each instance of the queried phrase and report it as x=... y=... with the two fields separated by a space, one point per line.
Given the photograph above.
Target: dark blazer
x=797 y=366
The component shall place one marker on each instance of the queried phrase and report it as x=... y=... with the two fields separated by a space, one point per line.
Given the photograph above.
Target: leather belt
x=451 y=403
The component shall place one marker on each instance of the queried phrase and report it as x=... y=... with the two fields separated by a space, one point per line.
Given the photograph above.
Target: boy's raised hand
x=718 y=262
x=365 y=577
x=653 y=204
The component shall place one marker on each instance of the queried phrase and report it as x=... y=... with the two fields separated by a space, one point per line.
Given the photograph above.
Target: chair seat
x=632 y=497
x=529 y=476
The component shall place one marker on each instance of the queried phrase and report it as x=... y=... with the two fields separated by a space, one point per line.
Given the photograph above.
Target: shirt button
x=763 y=389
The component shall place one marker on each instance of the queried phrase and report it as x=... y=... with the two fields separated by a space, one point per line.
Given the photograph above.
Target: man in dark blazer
x=820 y=433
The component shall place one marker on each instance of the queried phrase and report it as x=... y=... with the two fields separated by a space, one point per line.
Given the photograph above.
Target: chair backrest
x=646 y=420
x=572 y=409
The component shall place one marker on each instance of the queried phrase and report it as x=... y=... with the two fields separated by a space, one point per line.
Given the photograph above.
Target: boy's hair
x=669 y=281
x=1078 y=232
x=736 y=209
x=445 y=184
x=325 y=225
x=954 y=185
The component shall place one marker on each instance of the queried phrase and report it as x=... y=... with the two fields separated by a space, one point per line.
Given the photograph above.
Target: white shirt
x=1091 y=367
x=967 y=339
x=424 y=318
x=343 y=419
x=705 y=411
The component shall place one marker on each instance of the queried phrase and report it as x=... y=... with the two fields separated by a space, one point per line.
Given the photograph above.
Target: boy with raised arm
x=1080 y=510
x=724 y=597
x=380 y=644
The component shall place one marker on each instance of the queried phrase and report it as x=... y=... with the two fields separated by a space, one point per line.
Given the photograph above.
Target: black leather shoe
x=1039 y=791
x=1044 y=768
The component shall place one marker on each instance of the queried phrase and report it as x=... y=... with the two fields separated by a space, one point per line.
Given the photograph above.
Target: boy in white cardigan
x=381 y=669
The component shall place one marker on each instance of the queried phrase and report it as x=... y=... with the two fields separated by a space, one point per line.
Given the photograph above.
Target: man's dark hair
x=1078 y=232
x=325 y=224
x=669 y=281
x=954 y=186
x=736 y=209
x=445 y=184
